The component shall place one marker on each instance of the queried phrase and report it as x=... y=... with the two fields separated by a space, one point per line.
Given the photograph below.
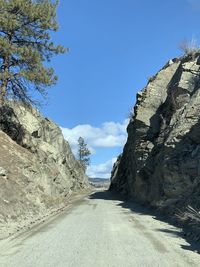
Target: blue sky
x=115 y=45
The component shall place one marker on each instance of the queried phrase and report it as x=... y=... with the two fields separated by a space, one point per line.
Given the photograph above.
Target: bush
x=190 y=48
x=190 y=215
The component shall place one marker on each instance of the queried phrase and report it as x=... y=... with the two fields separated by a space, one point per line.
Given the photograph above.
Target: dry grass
x=189 y=48
x=190 y=215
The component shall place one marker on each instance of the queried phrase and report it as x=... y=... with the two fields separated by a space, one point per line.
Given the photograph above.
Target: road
x=99 y=231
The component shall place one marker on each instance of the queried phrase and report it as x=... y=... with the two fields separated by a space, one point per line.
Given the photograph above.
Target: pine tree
x=83 y=153
x=25 y=45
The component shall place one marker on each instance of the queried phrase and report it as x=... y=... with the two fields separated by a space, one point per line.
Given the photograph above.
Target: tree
x=83 y=153
x=25 y=45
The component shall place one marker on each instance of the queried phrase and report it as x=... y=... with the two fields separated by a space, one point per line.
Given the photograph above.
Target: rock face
x=160 y=163
x=38 y=171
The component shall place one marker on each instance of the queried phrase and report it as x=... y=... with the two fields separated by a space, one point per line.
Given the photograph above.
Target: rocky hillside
x=160 y=163
x=38 y=171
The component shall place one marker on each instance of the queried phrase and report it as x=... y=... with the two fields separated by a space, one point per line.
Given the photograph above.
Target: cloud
x=108 y=135
x=102 y=170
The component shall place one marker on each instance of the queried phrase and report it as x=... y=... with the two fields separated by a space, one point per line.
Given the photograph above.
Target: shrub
x=190 y=48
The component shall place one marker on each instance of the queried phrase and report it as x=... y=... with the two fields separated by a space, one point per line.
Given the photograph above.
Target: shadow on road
x=146 y=210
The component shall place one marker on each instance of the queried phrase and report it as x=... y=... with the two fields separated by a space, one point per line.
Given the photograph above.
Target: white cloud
x=110 y=134
x=102 y=170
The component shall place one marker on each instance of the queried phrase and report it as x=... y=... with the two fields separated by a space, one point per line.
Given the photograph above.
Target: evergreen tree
x=25 y=45
x=83 y=153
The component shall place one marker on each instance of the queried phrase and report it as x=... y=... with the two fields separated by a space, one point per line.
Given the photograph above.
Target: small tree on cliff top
x=83 y=153
x=25 y=44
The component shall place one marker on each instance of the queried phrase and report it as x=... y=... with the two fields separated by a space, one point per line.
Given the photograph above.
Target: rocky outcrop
x=160 y=163
x=38 y=171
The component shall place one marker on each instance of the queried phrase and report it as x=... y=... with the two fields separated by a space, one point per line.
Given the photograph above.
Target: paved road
x=99 y=232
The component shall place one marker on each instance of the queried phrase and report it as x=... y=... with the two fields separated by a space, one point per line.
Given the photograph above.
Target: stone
x=160 y=161
x=2 y=172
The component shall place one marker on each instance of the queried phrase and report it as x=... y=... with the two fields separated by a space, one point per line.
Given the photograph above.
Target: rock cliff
x=160 y=163
x=38 y=171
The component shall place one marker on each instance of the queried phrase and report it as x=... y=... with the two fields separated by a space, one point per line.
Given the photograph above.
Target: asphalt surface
x=99 y=231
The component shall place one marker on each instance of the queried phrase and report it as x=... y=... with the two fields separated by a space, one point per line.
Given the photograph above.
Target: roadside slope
x=38 y=171
x=160 y=161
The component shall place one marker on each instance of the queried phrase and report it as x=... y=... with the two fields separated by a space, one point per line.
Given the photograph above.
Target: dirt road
x=99 y=232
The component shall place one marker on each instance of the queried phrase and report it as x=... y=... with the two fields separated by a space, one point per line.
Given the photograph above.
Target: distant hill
x=99 y=182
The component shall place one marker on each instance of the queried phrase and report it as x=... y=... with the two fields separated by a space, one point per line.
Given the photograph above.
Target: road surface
x=99 y=231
